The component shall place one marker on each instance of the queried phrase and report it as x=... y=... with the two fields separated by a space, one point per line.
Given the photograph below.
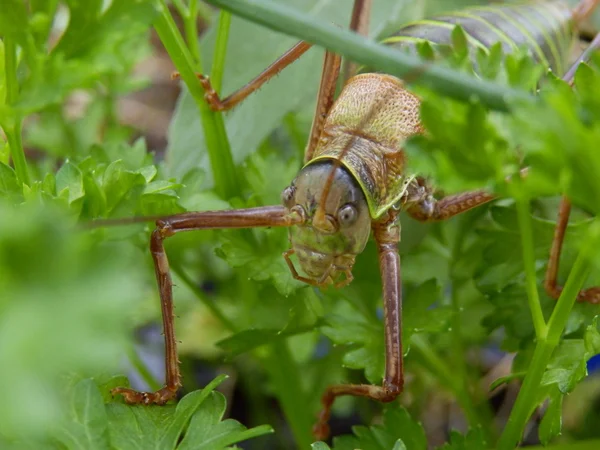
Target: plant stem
x=436 y=366
x=442 y=80
x=453 y=382
x=533 y=298
x=285 y=376
x=13 y=129
x=218 y=65
x=527 y=399
x=470 y=399
x=142 y=369
x=217 y=144
x=214 y=309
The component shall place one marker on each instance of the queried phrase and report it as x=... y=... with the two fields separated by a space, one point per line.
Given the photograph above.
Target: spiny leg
x=387 y=236
x=218 y=104
x=430 y=209
x=329 y=78
x=359 y=23
x=424 y=207
x=584 y=9
x=269 y=216
x=591 y=295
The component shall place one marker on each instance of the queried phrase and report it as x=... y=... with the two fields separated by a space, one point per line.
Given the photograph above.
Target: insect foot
x=133 y=397
x=210 y=95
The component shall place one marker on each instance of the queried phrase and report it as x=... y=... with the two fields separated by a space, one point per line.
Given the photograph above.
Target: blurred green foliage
x=72 y=295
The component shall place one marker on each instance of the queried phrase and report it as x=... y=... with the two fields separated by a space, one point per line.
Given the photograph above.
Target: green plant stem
x=528 y=399
x=214 y=309
x=217 y=144
x=533 y=298
x=284 y=373
x=471 y=399
x=579 y=272
x=142 y=369
x=218 y=65
x=442 y=80
x=191 y=30
x=453 y=382
x=13 y=129
x=436 y=366
x=190 y=27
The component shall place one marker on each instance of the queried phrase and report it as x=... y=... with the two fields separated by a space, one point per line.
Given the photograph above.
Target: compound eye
x=347 y=215
x=287 y=196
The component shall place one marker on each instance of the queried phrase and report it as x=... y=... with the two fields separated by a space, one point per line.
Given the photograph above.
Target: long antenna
x=337 y=162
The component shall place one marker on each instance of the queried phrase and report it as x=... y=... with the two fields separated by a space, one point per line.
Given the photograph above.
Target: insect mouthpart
x=323 y=269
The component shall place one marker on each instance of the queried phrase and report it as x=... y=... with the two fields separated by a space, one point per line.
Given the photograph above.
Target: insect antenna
x=337 y=162
x=99 y=223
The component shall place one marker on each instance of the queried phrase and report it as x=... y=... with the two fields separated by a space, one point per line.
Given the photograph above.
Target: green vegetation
x=72 y=296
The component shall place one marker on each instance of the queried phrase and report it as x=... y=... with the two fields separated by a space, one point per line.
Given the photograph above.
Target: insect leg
x=387 y=238
x=591 y=295
x=270 y=216
x=583 y=9
x=218 y=104
x=431 y=209
x=329 y=78
x=359 y=23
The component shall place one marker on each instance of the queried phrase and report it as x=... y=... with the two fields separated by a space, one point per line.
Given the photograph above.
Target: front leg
x=387 y=236
x=267 y=216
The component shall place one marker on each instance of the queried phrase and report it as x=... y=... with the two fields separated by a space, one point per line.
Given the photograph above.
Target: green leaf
x=239 y=252
x=87 y=424
x=14 y=22
x=160 y=187
x=398 y=431
x=46 y=330
x=69 y=182
x=473 y=440
x=9 y=186
x=353 y=328
x=364 y=334
x=569 y=361
x=159 y=427
x=551 y=424
x=92 y=27
x=247 y=340
x=208 y=431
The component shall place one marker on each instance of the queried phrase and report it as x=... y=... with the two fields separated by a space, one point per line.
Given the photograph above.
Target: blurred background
x=107 y=133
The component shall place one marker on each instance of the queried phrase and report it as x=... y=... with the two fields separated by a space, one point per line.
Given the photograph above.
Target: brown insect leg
x=430 y=209
x=359 y=23
x=270 y=216
x=215 y=102
x=387 y=236
x=583 y=9
x=329 y=78
x=591 y=295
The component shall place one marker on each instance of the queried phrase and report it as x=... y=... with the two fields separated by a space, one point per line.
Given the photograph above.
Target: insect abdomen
x=545 y=29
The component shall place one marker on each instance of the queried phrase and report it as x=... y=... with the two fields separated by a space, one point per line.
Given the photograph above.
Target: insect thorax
x=366 y=130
